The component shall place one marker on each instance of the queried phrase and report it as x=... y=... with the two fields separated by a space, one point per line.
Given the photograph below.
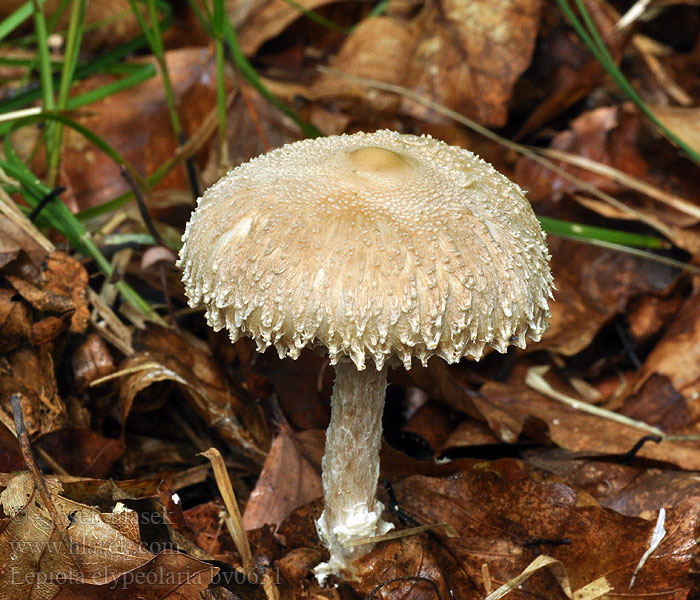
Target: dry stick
x=235 y=522
x=143 y=209
x=44 y=202
x=519 y=148
x=60 y=521
x=190 y=168
x=623 y=178
x=150 y=225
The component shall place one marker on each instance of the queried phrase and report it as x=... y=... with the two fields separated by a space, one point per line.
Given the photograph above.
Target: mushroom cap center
x=374 y=159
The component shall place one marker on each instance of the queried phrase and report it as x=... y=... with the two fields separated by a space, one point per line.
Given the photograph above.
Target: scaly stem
x=351 y=466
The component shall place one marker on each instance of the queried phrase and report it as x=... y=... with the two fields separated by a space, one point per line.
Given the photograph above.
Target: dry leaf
x=38 y=556
x=469 y=53
x=217 y=405
x=290 y=478
x=600 y=286
x=682 y=121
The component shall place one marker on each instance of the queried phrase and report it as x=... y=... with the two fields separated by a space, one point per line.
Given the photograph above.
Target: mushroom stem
x=351 y=466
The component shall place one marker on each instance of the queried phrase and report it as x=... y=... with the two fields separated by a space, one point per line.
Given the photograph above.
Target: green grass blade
x=98 y=64
x=12 y=22
x=155 y=39
x=603 y=234
x=75 y=34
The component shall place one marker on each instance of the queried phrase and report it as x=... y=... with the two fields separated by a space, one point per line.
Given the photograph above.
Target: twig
x=143 y=209
x=60 y=520
x=190 y=168
x=43 y=203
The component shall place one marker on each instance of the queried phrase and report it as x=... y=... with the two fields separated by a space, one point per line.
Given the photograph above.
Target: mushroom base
x=351 y=468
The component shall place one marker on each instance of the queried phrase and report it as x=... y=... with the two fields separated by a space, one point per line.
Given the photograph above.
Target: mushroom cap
x=373 y=245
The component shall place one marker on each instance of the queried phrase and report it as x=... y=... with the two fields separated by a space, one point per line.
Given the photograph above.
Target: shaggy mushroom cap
x=372 y=245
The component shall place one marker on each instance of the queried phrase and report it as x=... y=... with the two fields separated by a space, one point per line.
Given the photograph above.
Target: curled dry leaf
x=29 y=373
x=463 y=54
x=376 y=49
x=98 y=555
x=14 y=239
x=263 y=20
x=41 y=305
x=216 y=405
x=91 y=360
x=15 y=321
x=409 y=568
x=36 y=555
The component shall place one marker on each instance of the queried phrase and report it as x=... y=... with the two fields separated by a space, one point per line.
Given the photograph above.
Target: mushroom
x=377 y=248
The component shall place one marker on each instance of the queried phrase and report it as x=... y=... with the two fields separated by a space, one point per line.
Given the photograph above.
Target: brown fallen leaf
x=634 y=488
x=563 y=71
x=587 y=297
x=35 y=555
x=376 y=49
x=10 y=454
x=29 y=372
x=603 y=135
x=509 y=408
x=526 y=516
x=83 y=452
x=130 y=121
x=666 y=389
x=468 y=54
x=463 y=54
x=289 y=479
x=167 y=576
x=15 y=321
x=216 y=405
x=14 y=239
x=261 y=20
x=42 y=303
x=682 y=121
x=91 y=360
x=206 y=523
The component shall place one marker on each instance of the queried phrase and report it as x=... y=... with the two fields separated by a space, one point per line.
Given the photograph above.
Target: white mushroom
x=375 y=247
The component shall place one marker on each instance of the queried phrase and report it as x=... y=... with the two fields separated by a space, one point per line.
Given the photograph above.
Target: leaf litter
x=547 y=500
